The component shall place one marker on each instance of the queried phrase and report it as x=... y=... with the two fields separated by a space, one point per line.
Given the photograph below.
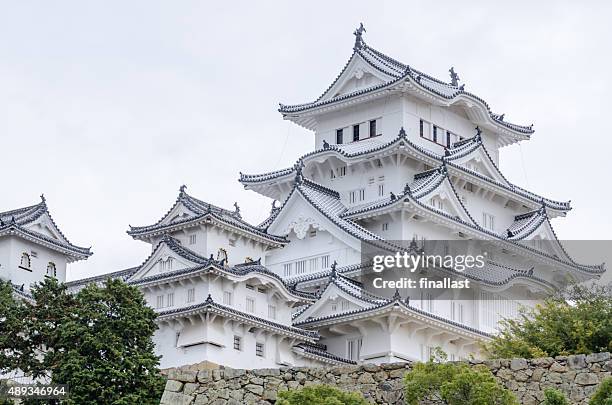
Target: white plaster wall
x=11 y=249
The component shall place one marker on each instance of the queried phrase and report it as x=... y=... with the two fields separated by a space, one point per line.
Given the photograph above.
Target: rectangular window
x=191 y=295
x=342 y=171
x=334 y=307
x=345 y=305
x=456 y=312
x=312 y=233
x=170 y=299
x=353 y=348
x=300 y=267
x=313 y=264
x=448 y=139
x=237 y=343
x=361 y=194
x=435 y=133
x=381 y=190
x=271 y=312
x=160 y=301
x=287 y=269
x=332 y=175
x=250 y=287
x=352 y=197
x=385 y=226
x=259 y=349
x=250 y=304
x=355 y=133
x=325 y=261
x=373 y=128
x=425 y=130
x=192 y=239
x=227 y=297
x=339 y=136
x=488 y=221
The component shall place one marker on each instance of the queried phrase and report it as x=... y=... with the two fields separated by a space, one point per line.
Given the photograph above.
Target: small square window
x=237 y=343
x=192 y=239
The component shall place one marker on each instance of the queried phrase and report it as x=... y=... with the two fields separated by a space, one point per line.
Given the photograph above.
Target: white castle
x=399 y=155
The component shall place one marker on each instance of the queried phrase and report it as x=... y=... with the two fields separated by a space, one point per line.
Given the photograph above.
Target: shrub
x=455 y=384
x=554 y=397
x=603 y=395
x=320 y=395
x=576 y=321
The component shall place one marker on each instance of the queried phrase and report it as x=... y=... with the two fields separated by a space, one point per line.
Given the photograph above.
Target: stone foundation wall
x=577 y=376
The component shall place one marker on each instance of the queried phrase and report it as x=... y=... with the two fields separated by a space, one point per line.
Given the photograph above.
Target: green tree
x=575 y=321
x=98 y=342
x=454 y=384
x=11 y=324
x=554 y=397
x=320 y=395
x=603 y=395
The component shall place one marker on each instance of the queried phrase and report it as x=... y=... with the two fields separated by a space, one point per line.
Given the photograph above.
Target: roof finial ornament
x=182 y=189
x=392 y=196
x=42 y=198
x=397 y=296
x=501 y=117
x=478 y=134
x=209 y=299
x=402 y=132
x=407 y=188
x=333 y=273
x=359 y=37
x=236 y=208
x=454 y=77
x=325 y=144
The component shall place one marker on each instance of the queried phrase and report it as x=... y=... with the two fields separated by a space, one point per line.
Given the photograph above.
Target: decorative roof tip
x=392 y=196
x=42 y=198
x=397 y=296
x=501 y=116
x=359 y=42
x=237 y=209
x=209 y=299
x=454 y=77
x=325 y=144
x=402 y=132
x=333 y=274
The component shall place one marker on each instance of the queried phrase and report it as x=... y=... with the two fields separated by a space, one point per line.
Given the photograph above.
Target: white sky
x=108 y=106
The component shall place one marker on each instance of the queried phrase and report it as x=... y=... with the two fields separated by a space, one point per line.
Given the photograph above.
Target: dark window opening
x=372 y=128
x=355 y=132
x=421 y=127
x=339 y=134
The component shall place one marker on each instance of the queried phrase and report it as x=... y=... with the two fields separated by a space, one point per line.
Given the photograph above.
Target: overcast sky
x=107 y=107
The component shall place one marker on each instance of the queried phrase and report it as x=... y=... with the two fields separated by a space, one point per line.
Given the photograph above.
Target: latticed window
x=259 y=349
x=191 y=295
x=25 y=260
x=237 y=343
x=51 y=270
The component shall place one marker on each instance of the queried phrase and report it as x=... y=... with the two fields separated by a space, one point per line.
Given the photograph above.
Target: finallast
x=422 y=283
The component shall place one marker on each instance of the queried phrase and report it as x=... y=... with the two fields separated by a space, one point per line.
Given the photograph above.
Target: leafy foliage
x=454 y=384
x=576 y=321
x=11 y=323
x=603 y=395
x=554 y=397
x=98 y=342
x=320 y=395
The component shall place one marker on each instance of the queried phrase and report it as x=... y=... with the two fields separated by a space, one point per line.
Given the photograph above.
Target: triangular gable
x=479 y=161
x=356 y=75
x=331 y=303
x=298 y=215
x=45 y=226
x=441 y=196
x=178 y=213
x=164 y=253
x=542 y=237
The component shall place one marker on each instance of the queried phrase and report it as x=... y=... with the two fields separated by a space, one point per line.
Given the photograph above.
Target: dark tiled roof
x=321 y=354
x=122 y=275
x=400 y=72
x=392 y=304
x=15 y=222
x=202 y=211
x=210 y=306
